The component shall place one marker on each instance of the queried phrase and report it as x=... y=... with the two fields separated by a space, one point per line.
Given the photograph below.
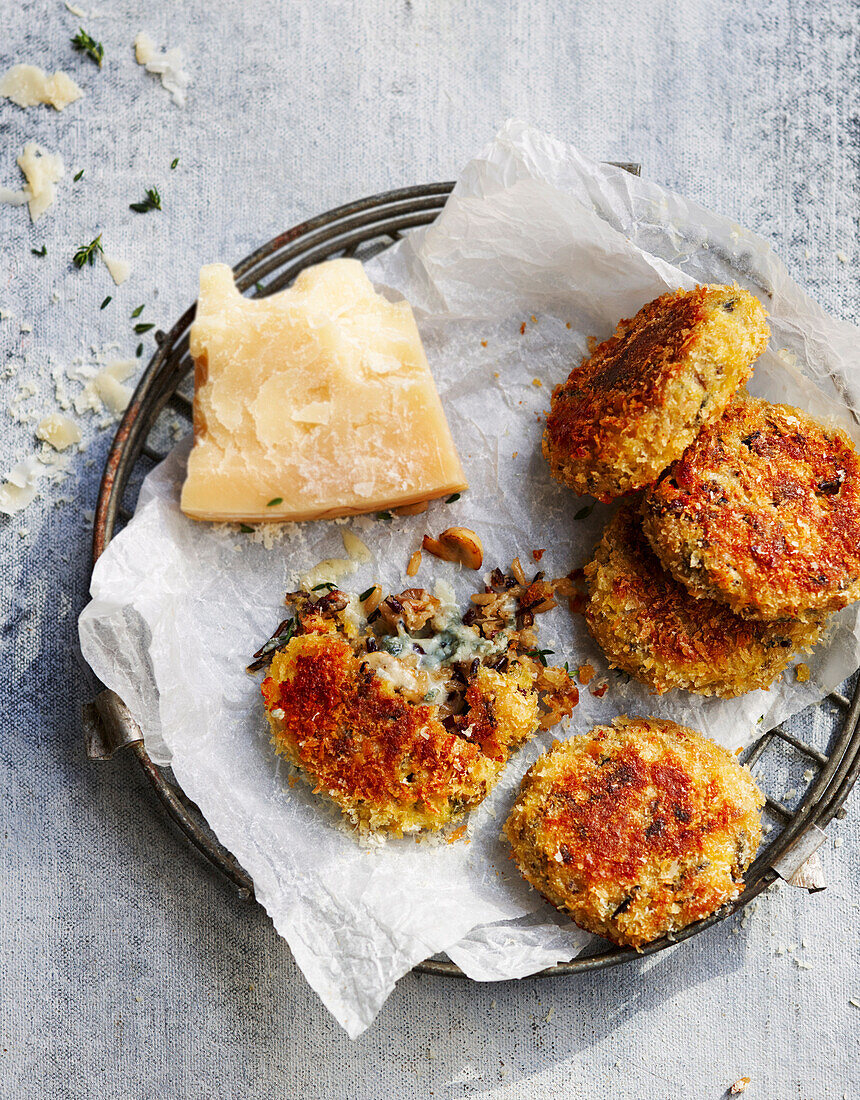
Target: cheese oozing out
x=314 y=402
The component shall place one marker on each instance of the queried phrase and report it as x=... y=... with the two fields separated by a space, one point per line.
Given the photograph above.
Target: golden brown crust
x=637 y=401
x=390 y=763
x=636 y=829
x=651 y=627
x=762 y=512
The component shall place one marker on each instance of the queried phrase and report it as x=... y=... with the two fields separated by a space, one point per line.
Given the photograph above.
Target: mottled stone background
x=127 y=969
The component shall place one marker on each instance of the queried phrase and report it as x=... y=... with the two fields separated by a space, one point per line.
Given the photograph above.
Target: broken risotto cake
x=401 y=711
x=636 y=829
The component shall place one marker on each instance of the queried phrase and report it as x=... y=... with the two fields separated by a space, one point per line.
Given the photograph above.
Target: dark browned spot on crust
x=625 y=373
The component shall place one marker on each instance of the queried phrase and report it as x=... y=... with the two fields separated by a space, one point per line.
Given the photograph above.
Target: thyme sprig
x=88 y=45
x=278 y=640
x=87 y=253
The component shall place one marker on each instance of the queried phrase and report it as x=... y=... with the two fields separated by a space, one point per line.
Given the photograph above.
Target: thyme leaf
x=246 y=528
x=137 y=312
x=274 y=501
x=367 y=593
x=585 y=512
x=329 y=586
x=540 y=655
x=106 y=302
x=174 y=163
x=384 y=515
x=141 y=328
x=78 y=175
x=139 y=351
x=151 y=202
x=43 y=251
x=452 y=498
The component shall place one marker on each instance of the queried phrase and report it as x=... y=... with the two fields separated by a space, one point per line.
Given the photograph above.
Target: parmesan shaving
x=20 y=487
x=119 y=269
x=28 y=85
x=41 y=170
x=109 y=384
x=167 y=66
x=59 y=431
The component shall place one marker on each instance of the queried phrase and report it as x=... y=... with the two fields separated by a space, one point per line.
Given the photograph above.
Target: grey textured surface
x=126 y=970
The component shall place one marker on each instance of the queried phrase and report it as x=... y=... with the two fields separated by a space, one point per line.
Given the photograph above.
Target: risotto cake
x=649 y=625
x=642 y=396
x=762 y=512
x=636 y=829
x=406 y=715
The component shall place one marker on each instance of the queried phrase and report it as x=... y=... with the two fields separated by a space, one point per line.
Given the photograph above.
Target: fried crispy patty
x=633 y=405
x=762 y=512
x=391 y=764
x=636 y=829
x=650 y=626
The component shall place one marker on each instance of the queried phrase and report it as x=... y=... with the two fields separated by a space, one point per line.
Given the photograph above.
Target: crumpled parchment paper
x=535 y=234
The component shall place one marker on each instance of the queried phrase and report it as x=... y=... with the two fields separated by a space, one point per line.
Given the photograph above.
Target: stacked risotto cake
x=746 y=532
x=742 y=536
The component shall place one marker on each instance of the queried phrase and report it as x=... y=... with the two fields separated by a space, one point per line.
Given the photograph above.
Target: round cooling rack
x=361 y=230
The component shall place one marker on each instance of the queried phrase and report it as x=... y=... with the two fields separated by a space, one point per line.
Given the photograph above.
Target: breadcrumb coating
x=636 y=829
x=651 y=627
x=642 y=396
x=391 y=764
x=762 y=512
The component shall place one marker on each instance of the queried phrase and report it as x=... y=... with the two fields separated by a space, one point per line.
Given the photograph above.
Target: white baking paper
x=538 y=249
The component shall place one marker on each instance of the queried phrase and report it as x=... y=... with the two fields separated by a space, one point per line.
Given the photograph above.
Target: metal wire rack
x=362 y=229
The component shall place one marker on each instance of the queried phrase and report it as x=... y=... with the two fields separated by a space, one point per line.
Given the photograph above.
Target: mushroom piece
x=459 y=544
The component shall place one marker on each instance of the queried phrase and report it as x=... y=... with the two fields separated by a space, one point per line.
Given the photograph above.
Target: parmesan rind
x=28 y=85
x=383 y=441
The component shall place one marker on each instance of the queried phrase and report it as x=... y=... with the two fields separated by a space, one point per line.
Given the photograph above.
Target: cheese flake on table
x=312 y=403
x=41 y=170
x=28 y=85
x=167 y=66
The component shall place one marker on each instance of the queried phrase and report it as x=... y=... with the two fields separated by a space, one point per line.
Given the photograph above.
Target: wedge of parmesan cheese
x=28 y=85
x=314 y=402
